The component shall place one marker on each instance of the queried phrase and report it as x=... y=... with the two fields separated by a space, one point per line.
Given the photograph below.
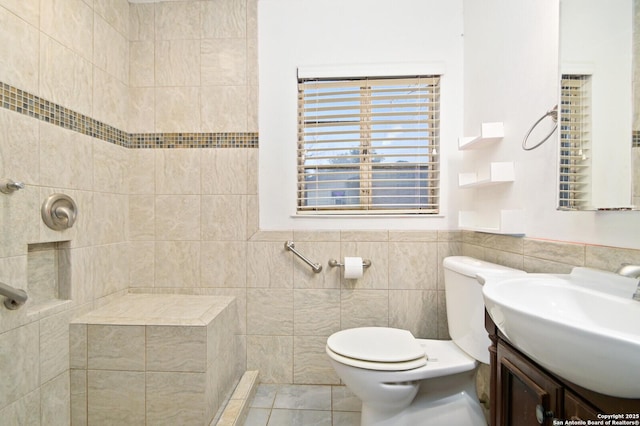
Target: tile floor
x=303 y=405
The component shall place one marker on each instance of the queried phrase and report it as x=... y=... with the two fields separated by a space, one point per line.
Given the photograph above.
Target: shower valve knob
x=59 y=212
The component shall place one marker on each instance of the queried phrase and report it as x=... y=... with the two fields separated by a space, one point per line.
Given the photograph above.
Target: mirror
x=596 y=108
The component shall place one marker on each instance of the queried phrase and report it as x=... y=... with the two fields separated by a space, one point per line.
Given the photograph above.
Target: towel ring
x=553 y=113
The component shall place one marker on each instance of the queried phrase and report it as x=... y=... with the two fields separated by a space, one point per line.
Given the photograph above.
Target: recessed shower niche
x=48 y=274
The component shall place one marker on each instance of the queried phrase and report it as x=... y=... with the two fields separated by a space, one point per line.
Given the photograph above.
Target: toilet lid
x=377 y=344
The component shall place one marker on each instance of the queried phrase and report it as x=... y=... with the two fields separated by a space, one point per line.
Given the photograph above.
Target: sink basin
x=583 y=326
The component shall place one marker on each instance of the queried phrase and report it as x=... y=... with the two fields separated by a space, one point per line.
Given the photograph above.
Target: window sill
x=355 y=215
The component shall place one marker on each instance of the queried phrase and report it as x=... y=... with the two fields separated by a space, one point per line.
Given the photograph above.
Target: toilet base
x=449 y=400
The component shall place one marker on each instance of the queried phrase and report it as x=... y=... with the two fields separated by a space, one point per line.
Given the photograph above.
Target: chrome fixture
x=553 y=113
x=59 y=212
x=316 y=267
x=8 y=186
x=631 y=271
x=15 y=297
x=333 y=263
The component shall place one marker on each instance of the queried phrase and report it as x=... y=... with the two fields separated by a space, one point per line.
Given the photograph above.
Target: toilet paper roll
x=353 y=268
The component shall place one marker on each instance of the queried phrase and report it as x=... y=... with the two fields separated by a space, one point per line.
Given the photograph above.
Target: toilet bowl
x=402 y=380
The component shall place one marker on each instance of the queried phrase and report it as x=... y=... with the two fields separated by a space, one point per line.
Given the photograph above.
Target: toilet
x=402 y=380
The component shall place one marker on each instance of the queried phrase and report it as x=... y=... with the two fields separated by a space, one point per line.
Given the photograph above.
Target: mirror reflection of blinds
x=369 y=145
x=575 y=142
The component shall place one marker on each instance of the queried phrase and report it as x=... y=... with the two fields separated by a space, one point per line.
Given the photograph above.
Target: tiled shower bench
x=155 y=359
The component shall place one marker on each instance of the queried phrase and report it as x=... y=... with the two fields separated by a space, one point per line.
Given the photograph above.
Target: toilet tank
x=465 y=304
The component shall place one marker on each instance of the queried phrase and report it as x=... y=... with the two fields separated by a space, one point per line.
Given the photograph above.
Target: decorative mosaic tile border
x=193 y=140
x=26 y=103
x=635 y=139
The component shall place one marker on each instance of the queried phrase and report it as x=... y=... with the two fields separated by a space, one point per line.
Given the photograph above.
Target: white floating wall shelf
x=489 y=133
x=507 y=222
x=499 y=172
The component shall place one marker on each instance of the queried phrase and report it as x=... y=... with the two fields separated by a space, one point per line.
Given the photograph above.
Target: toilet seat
x=378 y=366
x=377 y=348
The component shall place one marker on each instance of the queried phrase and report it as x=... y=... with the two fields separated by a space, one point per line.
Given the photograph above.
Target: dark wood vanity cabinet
x=576 y=409
x=523 y=393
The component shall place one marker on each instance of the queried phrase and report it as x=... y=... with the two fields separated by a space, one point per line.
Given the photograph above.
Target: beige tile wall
x=73 y=53
x=534 y=255
x=193 y=66
x=48 y=161
x=78 y=54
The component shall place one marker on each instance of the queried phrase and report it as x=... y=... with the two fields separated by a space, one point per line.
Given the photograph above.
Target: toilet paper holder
x=333 y=263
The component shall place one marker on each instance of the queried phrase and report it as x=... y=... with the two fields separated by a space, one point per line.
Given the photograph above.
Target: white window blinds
x=368 y=145
x=575 y=142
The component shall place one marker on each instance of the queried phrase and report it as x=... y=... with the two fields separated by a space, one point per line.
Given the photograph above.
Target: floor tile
x=346 y=418
x=308 y=397
x=303 y=405
x=342 y=399
x=257 y=417
x=265 y=394
x=282 y=417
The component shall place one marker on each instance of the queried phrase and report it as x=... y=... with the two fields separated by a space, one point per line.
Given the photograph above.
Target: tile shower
x=160 y=217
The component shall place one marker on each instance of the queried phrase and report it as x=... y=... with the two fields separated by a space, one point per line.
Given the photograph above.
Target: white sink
x=583 y=326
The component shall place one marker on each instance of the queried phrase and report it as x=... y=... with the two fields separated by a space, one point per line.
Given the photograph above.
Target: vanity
x=522 y=392
x=564 y=348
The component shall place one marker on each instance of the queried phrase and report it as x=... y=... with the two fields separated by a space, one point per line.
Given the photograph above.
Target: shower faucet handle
x=59 y=212
x=8 y=186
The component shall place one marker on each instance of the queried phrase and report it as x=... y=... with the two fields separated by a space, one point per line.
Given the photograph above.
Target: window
x=368 y=145
x=575 y=142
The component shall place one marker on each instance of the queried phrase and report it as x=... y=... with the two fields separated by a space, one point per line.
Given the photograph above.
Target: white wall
x=511 y=74
x=380 y=35
x=510 y=54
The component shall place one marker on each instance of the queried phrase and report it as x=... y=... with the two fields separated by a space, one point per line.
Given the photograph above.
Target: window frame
x=366 y=156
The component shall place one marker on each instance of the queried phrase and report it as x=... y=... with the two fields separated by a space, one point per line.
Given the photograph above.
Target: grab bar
x=289 y=245
x=14 y=296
